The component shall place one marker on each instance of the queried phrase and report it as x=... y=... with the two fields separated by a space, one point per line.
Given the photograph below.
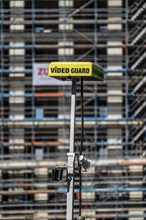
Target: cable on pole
x=81 y=148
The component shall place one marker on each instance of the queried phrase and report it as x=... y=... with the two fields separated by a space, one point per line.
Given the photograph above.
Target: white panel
x=16 y=113
x=115 y=73
x=115 y=51
x=115 y=99
x=65 y=3
x=114 y=43
x=65 y=51
x=41 y=196
x=41 y=171
x=65 y=25
x=115 y=89
x=114 y=135
x=88 y=195
x=17 y=87
x=114 y=3
x=136 y=195
x=135 y=168
x=16 y=136
x=16 y=52
x=114 y=26
x=16 y=100
x=41 y=215
x=112 y=115
x=17 y=44
x=16 y=4
x=18 y=24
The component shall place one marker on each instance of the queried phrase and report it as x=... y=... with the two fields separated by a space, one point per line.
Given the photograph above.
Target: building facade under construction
x=35 y=119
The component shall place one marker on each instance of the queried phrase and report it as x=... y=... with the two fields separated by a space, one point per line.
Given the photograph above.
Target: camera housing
x=86 y=164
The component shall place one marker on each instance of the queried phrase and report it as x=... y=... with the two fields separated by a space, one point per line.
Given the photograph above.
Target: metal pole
x=81 y=148
x=71 y=156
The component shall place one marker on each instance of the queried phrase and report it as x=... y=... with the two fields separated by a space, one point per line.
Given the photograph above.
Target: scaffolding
x=35 y=120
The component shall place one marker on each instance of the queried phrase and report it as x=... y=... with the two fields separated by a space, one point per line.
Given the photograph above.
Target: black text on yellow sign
x=75 y=69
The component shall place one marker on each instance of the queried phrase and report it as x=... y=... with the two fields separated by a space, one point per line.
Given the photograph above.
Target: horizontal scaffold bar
x=106 y=70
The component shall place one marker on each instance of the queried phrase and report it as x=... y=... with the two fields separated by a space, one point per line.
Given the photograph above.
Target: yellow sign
x=67 y=70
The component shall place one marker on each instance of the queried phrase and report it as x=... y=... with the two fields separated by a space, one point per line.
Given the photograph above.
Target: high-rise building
x=35 y=120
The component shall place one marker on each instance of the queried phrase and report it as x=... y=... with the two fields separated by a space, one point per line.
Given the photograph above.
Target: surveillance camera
x=86 y=164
